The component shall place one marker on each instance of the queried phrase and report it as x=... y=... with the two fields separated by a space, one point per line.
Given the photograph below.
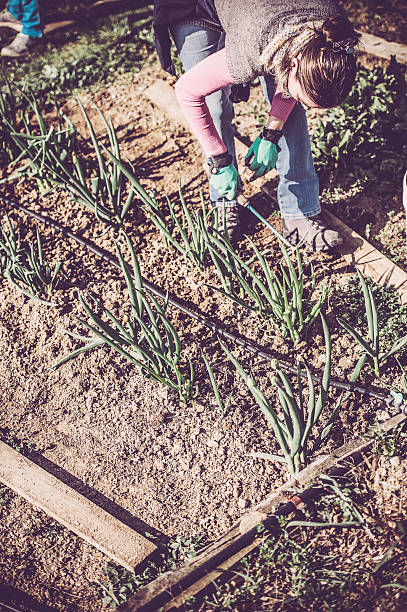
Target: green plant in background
x=282 y=298
x=147 y=339
x=24 y=266
x=10 y=115
x=296 y=422
x=371 y=344
x=365 y=135
x=96 y=51
x=391 y=314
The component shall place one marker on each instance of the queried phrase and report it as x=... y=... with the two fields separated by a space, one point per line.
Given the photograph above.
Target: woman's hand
x=225 y=181
x=263 y=153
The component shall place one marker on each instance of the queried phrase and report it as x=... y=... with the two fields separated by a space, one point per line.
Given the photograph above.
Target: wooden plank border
x=374 y=45
x=170 y=590
x=73 y=510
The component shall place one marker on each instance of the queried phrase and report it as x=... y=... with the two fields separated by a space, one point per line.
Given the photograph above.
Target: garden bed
x=182 y=469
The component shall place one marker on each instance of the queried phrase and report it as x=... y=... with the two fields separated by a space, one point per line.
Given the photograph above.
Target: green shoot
x=371 y=344
x=185 y=231
x=147 y=338
x=295 y=423
x=223 y=407
x=25 y=268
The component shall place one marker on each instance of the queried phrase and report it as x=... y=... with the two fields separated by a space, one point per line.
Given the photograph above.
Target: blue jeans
x=298 y=189
x=28 y=12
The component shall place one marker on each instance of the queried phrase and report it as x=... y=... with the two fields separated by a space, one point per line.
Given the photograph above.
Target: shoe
x=20 y=46
x=312 y=232
x=8 y=21
x=229 y=222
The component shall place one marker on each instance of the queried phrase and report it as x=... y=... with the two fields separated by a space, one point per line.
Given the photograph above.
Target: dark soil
x=384 y=18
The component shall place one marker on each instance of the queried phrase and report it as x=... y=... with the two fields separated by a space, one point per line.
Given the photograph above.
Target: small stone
x=212 y=443
x=242 y=503
x=236 y=490
x=395 y=461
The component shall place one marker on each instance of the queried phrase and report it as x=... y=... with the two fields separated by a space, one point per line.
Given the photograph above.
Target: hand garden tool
x=247 y=176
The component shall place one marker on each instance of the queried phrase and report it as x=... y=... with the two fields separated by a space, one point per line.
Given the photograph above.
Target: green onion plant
x=371 y=344
x=50 y=155
x=24 y=267
x=36 y=143
x=10 y=114
x=147 y=339
x=280 y=297
x=106 y=195
x=294 y=424
x=185 y=231
x=222 y=406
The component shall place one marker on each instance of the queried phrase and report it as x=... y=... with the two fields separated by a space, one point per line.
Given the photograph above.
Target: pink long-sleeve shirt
x=206 y=77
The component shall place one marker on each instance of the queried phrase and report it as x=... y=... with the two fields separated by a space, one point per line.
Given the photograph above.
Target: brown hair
x=327 y=66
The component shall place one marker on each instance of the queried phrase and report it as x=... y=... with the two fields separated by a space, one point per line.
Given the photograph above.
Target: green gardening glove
x=263 y=153
x=223 y=176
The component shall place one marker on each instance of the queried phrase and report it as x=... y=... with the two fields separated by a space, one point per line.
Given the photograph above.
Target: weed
x=388 y=444
x=8 y=437
x=286 y=573
x=121 y=583
x=371 y=344
x=4 y=496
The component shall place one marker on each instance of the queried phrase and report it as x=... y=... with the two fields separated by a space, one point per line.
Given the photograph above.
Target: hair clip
x=344 y=45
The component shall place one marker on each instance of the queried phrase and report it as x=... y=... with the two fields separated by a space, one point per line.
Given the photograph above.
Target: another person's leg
x=298 y=189
x=10 y=17
x=27 y=13
x=194 y=43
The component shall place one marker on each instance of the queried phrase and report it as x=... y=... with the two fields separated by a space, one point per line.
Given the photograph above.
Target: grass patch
x=392 y=315
x=93 y=53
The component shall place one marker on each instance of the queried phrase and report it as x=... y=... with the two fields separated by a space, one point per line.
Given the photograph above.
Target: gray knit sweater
x=251 y=24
